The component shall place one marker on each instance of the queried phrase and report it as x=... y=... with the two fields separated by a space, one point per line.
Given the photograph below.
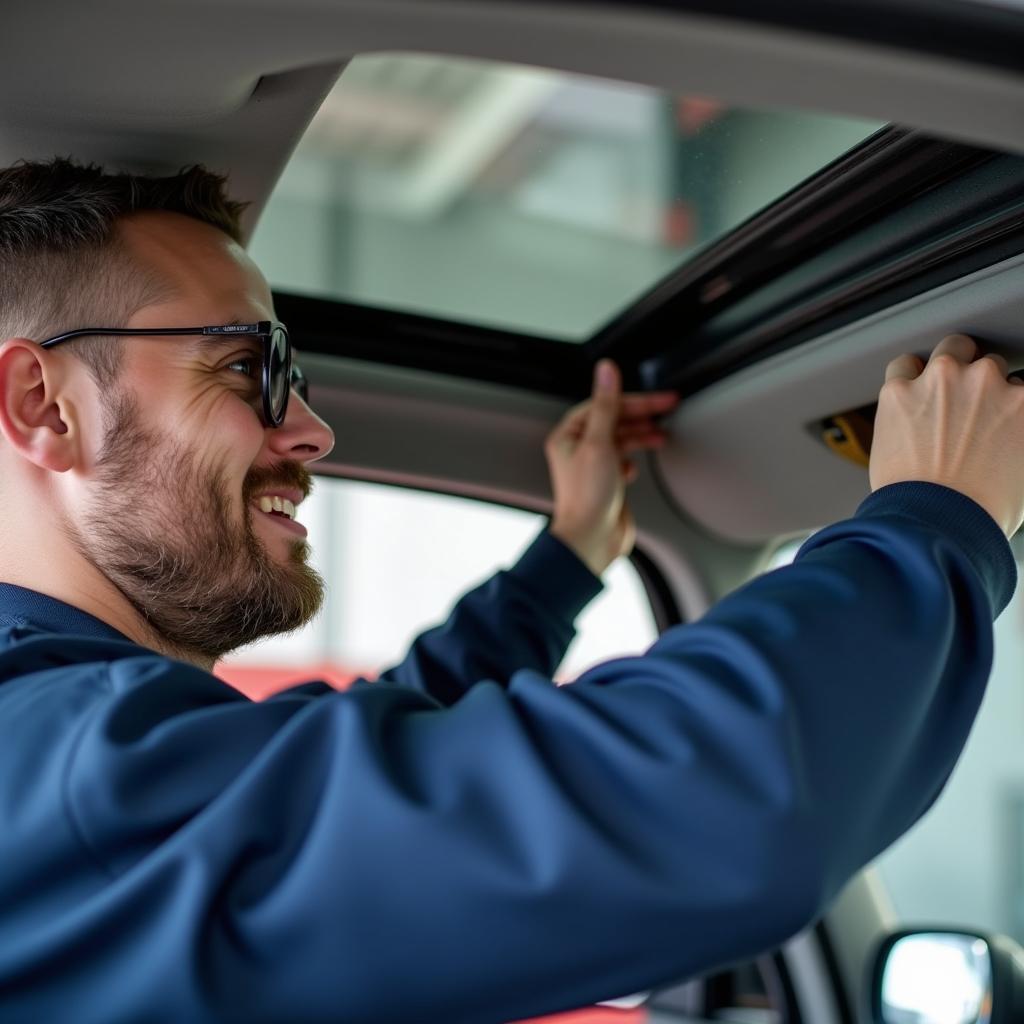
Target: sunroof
x=519 y=198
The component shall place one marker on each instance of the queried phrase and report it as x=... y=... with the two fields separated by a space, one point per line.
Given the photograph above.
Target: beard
x=161 y=528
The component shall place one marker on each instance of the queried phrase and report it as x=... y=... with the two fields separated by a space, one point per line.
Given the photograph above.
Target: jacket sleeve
x=521 y=618
x=372 y=856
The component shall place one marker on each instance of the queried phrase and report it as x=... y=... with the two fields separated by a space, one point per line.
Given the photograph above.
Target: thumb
x=604 y=408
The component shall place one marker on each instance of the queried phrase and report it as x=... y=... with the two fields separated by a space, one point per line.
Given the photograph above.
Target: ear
x=34 y=406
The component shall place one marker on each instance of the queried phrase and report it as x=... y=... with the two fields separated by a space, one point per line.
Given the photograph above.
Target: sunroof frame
x=679 y=334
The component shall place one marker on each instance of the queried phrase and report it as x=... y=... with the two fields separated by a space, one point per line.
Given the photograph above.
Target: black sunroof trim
x=937 y=238
x=395 y=338
x=887 y=173
x=862 y=185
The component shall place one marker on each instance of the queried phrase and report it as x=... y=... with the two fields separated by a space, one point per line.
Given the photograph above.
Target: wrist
x=592 y=554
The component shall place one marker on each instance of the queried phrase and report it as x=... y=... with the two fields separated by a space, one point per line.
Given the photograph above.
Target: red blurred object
x=696 y=112
x=680 y=227
x=595 y=1015
x=261 y=681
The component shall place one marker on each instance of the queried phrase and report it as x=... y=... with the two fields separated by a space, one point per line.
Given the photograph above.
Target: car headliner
x=233 y=83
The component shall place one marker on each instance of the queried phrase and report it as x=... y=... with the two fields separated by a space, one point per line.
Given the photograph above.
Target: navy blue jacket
x=462 y=841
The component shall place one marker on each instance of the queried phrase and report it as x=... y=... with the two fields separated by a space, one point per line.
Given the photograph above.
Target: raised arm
x=523 y=618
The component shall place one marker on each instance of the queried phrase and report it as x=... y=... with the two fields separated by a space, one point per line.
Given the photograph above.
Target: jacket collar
x=22 y=607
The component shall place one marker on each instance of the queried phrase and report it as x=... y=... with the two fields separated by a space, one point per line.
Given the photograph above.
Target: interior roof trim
x=69 y=96
x=748 y=467
x=980 y=33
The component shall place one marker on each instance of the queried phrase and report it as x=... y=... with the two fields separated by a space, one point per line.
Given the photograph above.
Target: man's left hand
x=588 y=455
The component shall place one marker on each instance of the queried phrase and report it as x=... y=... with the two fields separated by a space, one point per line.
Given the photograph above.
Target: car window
x=962 y=864
x=395 y=561
x=519 y=198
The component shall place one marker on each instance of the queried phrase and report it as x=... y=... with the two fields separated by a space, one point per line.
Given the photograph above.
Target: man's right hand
x=956 y=421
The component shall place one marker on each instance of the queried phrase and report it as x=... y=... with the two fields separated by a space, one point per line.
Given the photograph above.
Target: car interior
x=462 y=207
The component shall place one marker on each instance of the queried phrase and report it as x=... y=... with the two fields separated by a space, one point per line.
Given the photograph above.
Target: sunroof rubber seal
x=824 y=254
x=394 y=338
x=953 y=241
x=890 y=169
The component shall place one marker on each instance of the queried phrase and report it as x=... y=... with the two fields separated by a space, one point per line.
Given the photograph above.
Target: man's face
x=171 y=506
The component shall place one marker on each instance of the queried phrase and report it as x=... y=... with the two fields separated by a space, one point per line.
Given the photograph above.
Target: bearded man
x=460 y=840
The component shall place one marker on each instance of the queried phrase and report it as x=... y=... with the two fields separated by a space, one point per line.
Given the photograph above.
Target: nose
x=303 y=436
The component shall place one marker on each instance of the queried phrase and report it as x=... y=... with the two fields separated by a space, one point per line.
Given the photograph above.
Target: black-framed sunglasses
x=279 y=374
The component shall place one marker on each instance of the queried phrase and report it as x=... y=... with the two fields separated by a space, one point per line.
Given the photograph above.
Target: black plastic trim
x=799 y=234
x=844 y=1003
x=659 y=594
x=775 y=972
x=973 y=222
x=441 y=346
x=883 y=174
x=872 y=175
x=896 y=216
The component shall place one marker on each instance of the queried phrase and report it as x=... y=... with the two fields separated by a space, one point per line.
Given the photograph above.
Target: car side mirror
x=942 y=976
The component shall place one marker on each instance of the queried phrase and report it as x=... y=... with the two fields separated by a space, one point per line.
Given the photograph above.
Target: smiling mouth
x=277 y=506
x=281 y=511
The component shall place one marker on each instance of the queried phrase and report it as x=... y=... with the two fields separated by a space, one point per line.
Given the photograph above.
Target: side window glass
x=395 y=561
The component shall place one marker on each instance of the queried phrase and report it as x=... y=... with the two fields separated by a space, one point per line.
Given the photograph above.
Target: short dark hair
x=62 y=265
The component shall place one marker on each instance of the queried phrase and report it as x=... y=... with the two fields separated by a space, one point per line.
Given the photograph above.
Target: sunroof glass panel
x=520 y=198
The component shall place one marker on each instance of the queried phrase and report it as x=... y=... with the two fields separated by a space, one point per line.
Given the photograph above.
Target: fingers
x=633 y=408
x=629 y=436
x=1004 y=366
x=641 y=441
x=909 y=366
x=603 y=413
x=648 y=403
x=962 y=347
x=906 y=367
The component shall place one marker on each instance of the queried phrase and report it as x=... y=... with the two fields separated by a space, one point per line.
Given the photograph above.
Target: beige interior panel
x=746 y=467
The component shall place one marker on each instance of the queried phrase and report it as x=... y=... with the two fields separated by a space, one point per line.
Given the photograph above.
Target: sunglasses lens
x=280 y=372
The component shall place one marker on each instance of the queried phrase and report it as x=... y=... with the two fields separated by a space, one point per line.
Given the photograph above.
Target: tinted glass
x=518 y=198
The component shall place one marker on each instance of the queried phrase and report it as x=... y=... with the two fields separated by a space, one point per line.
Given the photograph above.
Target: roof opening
x=524 y=199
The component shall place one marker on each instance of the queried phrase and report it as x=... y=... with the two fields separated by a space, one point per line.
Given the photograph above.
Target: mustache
x=283 y=474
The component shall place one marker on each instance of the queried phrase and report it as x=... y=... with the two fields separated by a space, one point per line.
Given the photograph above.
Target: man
x=460 y=840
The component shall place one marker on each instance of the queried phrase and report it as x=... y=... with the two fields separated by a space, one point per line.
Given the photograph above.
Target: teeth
x=275 y=503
